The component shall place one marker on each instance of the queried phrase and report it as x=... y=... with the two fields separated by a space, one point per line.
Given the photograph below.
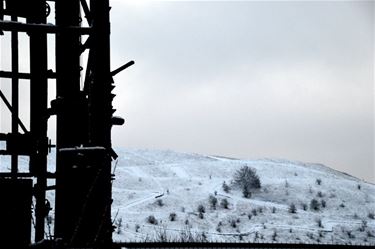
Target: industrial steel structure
x=84 y=115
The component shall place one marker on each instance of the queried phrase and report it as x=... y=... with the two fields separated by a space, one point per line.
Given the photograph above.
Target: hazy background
x=292 y=80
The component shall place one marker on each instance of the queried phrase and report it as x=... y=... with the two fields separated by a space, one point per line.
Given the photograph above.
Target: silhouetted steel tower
x=84 y=120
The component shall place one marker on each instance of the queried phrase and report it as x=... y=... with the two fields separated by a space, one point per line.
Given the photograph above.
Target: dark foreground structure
x=84 y=113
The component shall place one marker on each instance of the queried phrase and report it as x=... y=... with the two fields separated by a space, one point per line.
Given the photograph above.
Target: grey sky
x=290 y=80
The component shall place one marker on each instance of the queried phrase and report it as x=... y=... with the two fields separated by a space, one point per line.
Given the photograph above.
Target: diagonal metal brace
x=86 y=9
x=2 y=96
x=123 y=67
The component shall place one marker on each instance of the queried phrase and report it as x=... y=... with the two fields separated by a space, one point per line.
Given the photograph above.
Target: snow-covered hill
x=163 y=184
x=167 y=185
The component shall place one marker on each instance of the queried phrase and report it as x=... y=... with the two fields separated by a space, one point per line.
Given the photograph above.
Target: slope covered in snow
x=170 y=186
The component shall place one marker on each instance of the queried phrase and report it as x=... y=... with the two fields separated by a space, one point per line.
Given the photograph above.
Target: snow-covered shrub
x=200 y=215
x=273 y=210
x=274 y=235
x=246 y=177
x=152 y=220
x=233 y=223
x=310 y=235
x=292 y=208
x=363 y=226
x=323 y=203
x=159 y=202
x=320 y=194
x=224 y=203
x=172 y=216
x=254 y=212
x=118 y=224
x=371 y=215
x=201 y=208
x=213 y=201
x=286 y=184
x=260 y=210
x=304 y=206
x=319 y=222
x=246 y=192
x=161 y=235
x=350 y=234
x=314 y=205
x=225 y=187
x=319 y=181
x=137 y=227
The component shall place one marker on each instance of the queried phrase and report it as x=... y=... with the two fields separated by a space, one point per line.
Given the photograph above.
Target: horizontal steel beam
x=46 y=28
x=27 y=76
x=24 y=174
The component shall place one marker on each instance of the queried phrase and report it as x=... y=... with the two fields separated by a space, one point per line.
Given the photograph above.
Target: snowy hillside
x=157 y=193
x=170 y=186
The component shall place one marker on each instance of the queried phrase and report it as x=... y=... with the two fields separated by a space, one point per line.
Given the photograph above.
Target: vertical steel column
x=71 y=126
x=38 y=113
x=15 y=93
x=100 y=105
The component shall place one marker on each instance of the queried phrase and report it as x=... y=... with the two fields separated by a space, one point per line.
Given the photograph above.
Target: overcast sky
x=291 y=80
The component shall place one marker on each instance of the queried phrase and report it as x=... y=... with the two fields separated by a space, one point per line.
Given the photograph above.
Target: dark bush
x=224 y=203
x=292 y=208
x=201 y=208
x=152 y=220
x=172 y=216
x=213 y=201
x=159 y=202
x=226 y=187
x=314 y=205
x=319 y=222
x=246 y=177
x=323 y=203
x=246 y=192
x=371 y=215
x=233 y=223
x=200 y=215
x=304 y=206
